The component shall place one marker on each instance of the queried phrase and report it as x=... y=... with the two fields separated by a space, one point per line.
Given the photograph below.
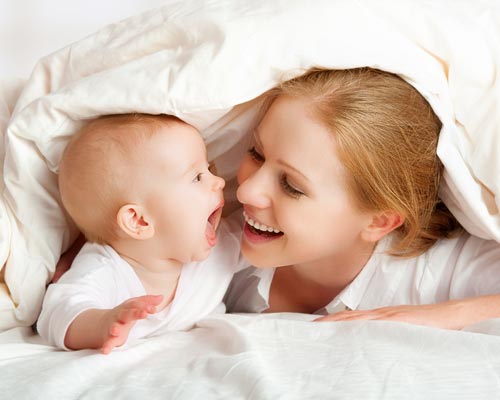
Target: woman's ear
x=132 y=220
x=381 y=224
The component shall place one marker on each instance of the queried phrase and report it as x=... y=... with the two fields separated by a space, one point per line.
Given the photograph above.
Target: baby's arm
x=107 y=329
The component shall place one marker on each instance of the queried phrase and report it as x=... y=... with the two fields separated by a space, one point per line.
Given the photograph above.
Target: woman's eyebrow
x=279 y=161
x=290 y=167
x=256 y=136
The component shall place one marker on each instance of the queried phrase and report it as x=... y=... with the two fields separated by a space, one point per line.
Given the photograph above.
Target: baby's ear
x=133 y=220
x=381 y=224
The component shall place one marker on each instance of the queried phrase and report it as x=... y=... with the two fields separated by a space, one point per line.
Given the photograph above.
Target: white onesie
x=99 y=278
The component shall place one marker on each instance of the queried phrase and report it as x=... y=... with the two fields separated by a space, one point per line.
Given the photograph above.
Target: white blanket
x=208 y=64
x=281 y=356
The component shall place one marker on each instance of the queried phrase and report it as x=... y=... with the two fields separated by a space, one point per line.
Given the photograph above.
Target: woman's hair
x=386 y=136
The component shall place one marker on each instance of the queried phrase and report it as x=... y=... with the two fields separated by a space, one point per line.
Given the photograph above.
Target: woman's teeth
x=259 y=226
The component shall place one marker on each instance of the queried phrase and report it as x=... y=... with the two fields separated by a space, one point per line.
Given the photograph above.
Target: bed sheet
x=280 y=356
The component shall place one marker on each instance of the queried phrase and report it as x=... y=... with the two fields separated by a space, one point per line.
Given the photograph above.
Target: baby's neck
x=158 y=276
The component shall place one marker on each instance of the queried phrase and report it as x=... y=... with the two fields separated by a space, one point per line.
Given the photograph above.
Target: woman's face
x=291 y=186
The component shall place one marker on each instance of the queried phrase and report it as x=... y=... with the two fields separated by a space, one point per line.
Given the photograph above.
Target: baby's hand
x=119 y=321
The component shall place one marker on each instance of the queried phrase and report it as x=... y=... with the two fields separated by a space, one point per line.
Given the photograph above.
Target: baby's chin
x=201 y=256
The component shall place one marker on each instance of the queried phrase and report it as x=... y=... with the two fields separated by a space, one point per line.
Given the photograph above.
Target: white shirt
x=466 y=266
x=100 y=279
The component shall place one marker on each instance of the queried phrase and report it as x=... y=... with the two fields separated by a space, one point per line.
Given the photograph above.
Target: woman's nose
x=253 y=191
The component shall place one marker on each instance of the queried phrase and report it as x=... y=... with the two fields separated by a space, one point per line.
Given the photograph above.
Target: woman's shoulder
x=462 y=245
x=465 y=245
x=464 y=252
x=445 y=255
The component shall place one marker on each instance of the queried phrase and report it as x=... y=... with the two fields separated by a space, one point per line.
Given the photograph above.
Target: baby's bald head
x=97 y=173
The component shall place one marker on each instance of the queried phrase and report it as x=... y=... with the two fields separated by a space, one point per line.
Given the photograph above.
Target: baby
x=139 y=188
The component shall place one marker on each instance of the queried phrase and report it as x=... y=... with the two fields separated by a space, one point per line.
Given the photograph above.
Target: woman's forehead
x=289 y=134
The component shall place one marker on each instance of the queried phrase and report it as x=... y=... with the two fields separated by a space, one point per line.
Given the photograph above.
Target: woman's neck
x=308 y=287
x=335 y=273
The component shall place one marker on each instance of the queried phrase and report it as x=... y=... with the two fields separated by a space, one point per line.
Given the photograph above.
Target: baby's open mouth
x=214 y=218
x=212 y=224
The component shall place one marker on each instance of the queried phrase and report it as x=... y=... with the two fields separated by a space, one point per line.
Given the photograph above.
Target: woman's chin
x=259 y=258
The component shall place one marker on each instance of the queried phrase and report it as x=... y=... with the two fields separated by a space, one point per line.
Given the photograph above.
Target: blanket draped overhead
x=208 y=63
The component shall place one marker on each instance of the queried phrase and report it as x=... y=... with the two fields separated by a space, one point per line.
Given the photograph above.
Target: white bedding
x=280 y=356
x=207 y=62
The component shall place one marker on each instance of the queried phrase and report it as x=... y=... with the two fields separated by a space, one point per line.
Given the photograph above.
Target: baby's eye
x=289 y=189
x=198 y=177
x=256 y=155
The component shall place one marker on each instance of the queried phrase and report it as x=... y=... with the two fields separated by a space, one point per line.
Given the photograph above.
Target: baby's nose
x=219 y=183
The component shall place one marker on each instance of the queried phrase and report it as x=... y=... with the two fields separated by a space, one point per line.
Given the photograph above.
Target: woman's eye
x=289 y=189
x=256 y=155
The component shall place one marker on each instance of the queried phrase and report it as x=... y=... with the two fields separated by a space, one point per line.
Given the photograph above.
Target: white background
x=30 y=29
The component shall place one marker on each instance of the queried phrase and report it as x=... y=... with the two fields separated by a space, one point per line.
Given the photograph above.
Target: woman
x=341 y=188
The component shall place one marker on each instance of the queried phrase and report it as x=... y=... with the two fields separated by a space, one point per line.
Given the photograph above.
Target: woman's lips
x=257 y=232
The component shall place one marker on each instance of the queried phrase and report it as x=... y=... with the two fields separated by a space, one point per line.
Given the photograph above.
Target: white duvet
x=207 y=62
x=264 y=357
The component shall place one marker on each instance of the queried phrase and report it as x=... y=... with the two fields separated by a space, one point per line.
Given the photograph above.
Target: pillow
x=209 y=65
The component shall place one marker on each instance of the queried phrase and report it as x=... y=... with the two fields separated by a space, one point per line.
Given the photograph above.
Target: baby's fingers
x=147 y=302
x=133 y=313
x=110 y=344
x=151 y=299
x=138 y=308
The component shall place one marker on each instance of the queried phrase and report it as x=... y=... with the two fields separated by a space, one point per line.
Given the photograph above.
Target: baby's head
x=142 y=177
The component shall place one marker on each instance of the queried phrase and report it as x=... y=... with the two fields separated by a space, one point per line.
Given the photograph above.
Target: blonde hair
x=386 y=136
x=96 y=168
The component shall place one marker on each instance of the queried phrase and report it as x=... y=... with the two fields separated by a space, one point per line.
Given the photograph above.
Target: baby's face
x=183 y=197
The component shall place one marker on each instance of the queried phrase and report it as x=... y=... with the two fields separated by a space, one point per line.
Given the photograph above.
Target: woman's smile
x=262 y=228
x=257 y=232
